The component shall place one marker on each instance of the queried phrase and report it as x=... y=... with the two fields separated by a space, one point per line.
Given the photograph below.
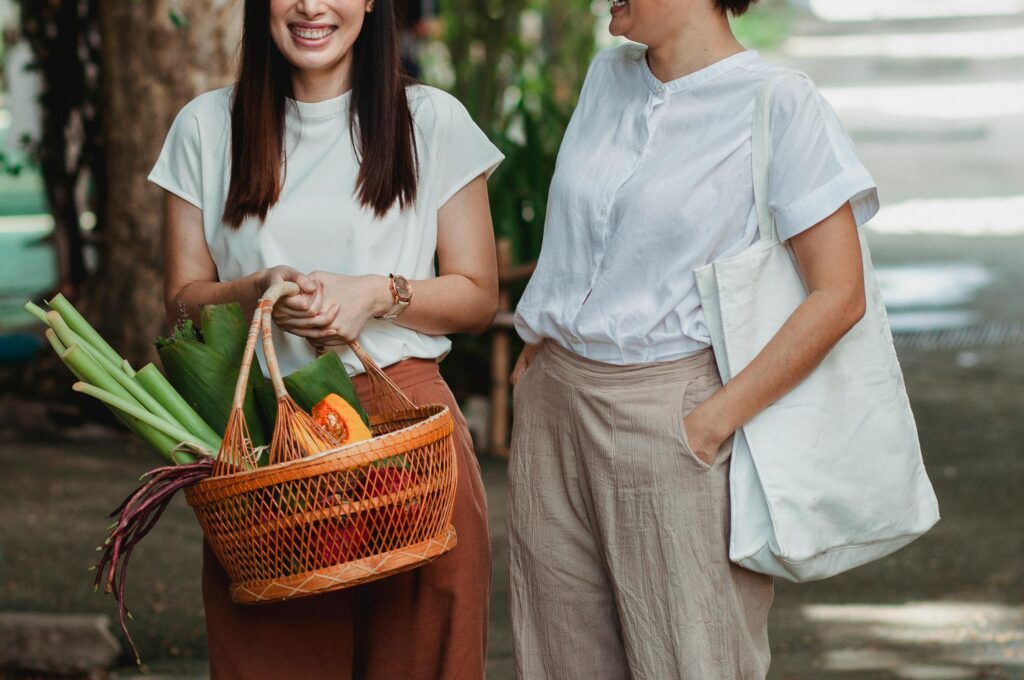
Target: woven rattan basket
x=341 y=517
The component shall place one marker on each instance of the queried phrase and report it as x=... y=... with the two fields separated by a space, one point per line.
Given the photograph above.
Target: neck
x=701 y=41
x=312 y=86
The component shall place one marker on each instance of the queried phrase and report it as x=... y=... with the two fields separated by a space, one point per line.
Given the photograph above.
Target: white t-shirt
x=318 y=223
x=654 y=180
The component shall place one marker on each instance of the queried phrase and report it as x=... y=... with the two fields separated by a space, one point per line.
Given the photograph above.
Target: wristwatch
x=401 y=293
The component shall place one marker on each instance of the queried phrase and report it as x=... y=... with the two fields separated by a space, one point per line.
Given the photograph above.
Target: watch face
x=403 y=288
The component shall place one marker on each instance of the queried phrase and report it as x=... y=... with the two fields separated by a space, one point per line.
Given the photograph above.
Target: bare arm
x=462 y=298
x=829 y=258
x=190 y=274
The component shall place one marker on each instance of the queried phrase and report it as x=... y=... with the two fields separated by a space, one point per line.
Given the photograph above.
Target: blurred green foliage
x=518 y=66
x=764 y=27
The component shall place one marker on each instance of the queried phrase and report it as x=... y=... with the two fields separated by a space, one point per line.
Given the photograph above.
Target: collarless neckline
x=328 y=108
x=698 y=77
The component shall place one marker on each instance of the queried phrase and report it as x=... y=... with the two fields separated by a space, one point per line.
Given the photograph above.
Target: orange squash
x=338 y=417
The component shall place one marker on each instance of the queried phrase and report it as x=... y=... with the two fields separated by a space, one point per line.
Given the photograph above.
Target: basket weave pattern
x=338 y=518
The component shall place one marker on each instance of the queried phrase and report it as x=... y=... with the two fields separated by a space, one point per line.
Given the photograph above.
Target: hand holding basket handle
x=307 y=524
x=296 y=434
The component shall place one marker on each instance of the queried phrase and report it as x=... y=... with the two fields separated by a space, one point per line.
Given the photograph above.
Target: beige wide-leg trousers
x=619 y=534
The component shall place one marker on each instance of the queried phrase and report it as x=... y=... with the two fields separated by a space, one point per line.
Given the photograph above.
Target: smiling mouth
x=618 y=4
x=318 y=33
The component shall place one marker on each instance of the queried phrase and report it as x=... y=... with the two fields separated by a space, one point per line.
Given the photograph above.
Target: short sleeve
x=179 y=169
x=814 y=169
x=463 y=153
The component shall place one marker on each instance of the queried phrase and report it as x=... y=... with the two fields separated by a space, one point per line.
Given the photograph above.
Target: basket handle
x=385 y=395
x=276 y=291
x=266 y=307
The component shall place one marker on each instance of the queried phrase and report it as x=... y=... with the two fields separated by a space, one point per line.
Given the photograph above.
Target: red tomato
x=383 y=482
x=341 y=540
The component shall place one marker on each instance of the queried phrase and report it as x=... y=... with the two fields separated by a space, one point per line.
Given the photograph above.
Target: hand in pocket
x=700 y=437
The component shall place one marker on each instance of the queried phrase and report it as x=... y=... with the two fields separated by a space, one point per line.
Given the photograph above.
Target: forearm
x=192 y=295
x=451 y=303
x=791 y=355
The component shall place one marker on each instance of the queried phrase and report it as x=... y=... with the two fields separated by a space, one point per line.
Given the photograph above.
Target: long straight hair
x=380 y=121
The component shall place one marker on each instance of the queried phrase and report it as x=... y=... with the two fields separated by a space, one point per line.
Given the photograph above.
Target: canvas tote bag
x=830 y=476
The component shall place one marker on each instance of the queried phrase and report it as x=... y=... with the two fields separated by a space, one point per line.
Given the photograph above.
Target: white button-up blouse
x=654 y=180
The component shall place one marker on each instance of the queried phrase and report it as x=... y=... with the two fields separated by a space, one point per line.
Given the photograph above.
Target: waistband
x=699 y=365
x=405 y=374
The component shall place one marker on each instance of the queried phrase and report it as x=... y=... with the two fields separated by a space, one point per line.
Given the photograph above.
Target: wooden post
x=498 y=431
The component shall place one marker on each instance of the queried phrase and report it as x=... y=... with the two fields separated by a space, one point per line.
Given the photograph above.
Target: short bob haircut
x=736 y=7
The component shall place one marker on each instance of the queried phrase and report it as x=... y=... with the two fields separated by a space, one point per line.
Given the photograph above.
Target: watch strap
x=400 y=303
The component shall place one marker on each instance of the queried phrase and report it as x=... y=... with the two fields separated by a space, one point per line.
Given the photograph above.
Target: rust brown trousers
x=425 y=624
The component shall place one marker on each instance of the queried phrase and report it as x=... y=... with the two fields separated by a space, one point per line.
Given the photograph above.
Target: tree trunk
x=63 y=38
x=156 y=56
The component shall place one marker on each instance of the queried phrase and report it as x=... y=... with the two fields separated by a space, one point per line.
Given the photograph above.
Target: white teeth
x=312 y=34
x=620 y=3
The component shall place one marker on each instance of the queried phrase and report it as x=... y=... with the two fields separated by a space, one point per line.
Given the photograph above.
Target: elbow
x=855 y=308
x=484 y=320
x=176 y=306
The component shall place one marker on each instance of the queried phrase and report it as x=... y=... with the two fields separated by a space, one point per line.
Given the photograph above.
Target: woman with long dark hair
x=325 y=166
x=619 y=508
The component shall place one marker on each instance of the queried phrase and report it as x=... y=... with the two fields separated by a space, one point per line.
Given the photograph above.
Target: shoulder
x=792 y=91
x=617 y=59
x=204 y=121
x=611 y=69
x=426 y=101
x=435 y=110
x=212 y=106
x=619 y=54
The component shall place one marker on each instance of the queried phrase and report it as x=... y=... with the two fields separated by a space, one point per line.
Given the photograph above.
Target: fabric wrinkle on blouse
x=654 y=180
x=318 y=224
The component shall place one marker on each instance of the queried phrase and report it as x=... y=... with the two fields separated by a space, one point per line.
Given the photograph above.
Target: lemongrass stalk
x=93 y=372
x=36 y=311
x=113 y=369
x=150 y=377
x=73 y=370
x=87 y=369
x=148 y=401
x=68 y=337
x=170 y=429
x=55 y=342
x=97 y=367
x=156 y=439
x=79 y=325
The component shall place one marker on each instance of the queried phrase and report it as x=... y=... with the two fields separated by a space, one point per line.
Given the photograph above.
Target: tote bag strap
x=761 y=153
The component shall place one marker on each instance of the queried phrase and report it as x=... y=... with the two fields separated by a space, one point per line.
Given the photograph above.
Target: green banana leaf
x=225 y=329
x=308 y=385
x=204 y=369
x=206 y=379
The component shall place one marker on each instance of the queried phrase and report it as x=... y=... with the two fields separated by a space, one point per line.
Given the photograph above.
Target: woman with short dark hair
x=324 y=166
x=618 y=478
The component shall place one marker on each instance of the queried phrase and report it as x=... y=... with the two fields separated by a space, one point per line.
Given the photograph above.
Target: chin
x=619 y=29
x=317 y=63
x=314 y=60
